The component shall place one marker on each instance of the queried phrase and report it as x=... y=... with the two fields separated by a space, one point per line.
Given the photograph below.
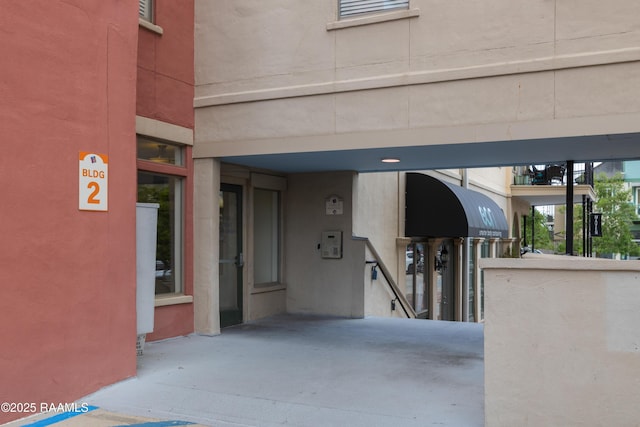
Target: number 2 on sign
x=96 y=189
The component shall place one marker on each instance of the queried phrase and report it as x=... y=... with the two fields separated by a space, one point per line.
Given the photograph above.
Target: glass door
x=415 y=279
x=447 y=281
x=231 y=257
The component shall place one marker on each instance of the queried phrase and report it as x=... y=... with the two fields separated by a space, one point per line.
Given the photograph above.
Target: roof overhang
x=438 y=209
x=363 y=152
x=545 y=195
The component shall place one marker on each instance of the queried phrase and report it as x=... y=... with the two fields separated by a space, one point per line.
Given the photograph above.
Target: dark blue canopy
x=438 y=209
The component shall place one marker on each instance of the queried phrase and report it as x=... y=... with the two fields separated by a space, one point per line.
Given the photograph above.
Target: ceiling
x=469 y=155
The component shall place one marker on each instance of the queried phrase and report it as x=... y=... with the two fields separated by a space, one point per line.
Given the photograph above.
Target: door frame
x=448 y=283
x=234 y=317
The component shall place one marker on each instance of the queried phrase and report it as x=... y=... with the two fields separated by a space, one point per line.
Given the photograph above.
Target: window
x=348 y=8
x=266 y=230
x=145 y=10
x=160 y=152
x=161 y=179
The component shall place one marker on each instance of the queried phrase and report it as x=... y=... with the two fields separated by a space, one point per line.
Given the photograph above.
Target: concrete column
x=466 y=254
x=206 y=285
x=508 y=246
x=493 y=248
x=476 y=279
x=457 y=259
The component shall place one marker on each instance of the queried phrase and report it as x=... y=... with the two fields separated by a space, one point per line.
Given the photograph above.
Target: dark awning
x=438 y=209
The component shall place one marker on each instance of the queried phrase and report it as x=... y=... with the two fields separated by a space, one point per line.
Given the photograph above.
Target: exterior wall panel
x=487 y=100
x=572 y=357
x=165 y=88
x=452 y=66
x=276 y=118
x=610 y=90
x=69 y=276
x=288 y=42
x=393 y=113
x=166 y=67
x=316 y=285
x=354 y=46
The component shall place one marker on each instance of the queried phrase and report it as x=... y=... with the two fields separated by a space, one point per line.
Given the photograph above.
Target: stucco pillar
x=477 y=298
x=509 y=246
x=458 y=262
x=493 y=248
x=206 y=285
x=432 y=274
x=466 y=255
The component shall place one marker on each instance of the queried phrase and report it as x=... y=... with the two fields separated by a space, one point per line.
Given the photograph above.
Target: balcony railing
x=552 y=174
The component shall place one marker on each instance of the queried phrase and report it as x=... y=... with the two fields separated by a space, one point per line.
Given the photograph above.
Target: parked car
x=162 y=272
x=527 y=249
x=409 y=263
x=160 y=269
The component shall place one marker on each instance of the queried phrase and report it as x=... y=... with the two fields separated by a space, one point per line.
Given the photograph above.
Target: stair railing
x=398 y=294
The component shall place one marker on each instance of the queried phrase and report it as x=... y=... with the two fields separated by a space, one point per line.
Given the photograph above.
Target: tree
x=542 y=236
x=614 y=202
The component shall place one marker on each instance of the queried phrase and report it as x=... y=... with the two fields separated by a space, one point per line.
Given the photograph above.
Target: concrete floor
x=310 y=371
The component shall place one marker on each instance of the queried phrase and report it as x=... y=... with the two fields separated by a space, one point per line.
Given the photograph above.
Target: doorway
x=231 y=255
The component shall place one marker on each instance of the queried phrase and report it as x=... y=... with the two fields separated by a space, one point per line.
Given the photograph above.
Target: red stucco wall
x=166 y=65
x=165 y=90
x=172 y=321
x=67 y=312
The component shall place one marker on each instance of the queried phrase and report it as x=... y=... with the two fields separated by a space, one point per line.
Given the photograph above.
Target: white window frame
x=146 y=16
x=277 y=184
x=355 y=8
x=178 y=173
x=176 y=135
x=145 y=10
x=268 y=254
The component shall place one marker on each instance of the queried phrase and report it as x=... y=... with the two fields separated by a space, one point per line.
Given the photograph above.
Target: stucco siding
x=283 y=70
x=68 y=310
x=316 y=285
x=561 y=341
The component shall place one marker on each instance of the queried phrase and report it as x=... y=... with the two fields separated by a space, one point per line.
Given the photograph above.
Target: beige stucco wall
x=206 y=286
x=316 y=285
x=379 y=214
x=378 y=292
x=280 y=76
x=562 y=343
x=373 y=209
x=275 y=75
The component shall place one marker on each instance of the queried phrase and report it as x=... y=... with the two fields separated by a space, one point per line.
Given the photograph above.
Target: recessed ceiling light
x=390 y=160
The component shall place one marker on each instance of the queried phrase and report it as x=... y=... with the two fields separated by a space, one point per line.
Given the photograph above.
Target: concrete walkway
x=309 y=371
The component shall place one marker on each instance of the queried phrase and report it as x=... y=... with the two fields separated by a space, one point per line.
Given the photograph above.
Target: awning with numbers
x=435 y=208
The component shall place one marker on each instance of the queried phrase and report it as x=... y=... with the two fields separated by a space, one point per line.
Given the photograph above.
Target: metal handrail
x=399 y=296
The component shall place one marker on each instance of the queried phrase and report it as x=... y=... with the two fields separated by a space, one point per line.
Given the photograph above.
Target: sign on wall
x=595 y=223
x=93 y=179
x=334 y=205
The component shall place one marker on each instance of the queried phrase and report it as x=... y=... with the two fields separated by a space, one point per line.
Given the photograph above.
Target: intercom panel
x=331 y=245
